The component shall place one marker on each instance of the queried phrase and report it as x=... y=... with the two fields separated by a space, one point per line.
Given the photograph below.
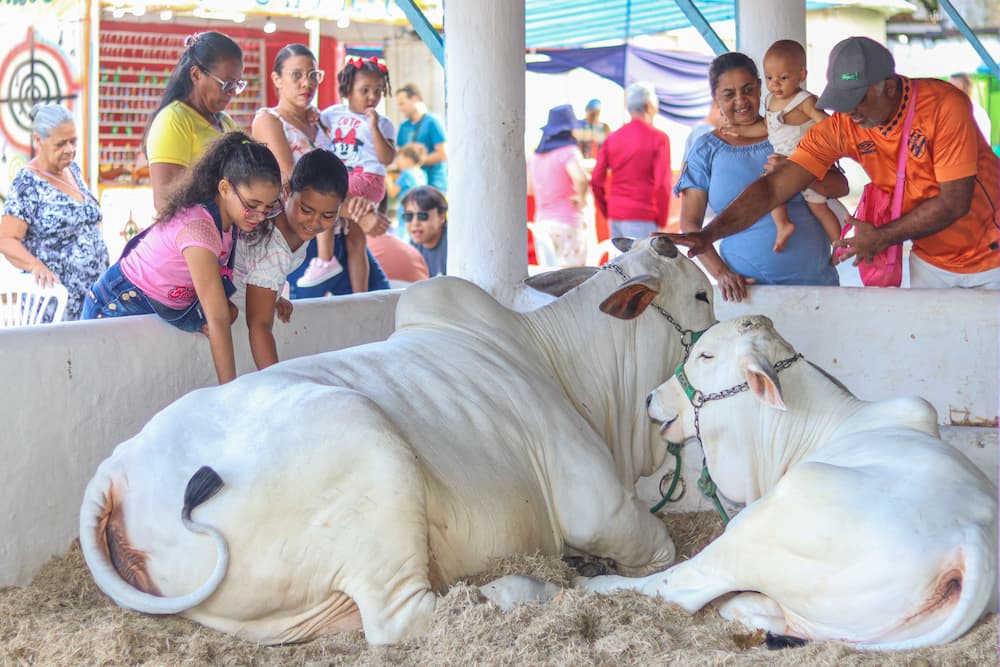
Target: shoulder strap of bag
x=213 y=209
x=904 y=140
x=222 y=235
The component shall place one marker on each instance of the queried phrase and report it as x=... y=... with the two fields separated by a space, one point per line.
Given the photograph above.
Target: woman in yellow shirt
x=191 y=113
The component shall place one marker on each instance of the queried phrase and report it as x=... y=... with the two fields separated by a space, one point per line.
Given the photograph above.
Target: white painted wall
x=938 y=344
x=410 y=61
x=71 y=392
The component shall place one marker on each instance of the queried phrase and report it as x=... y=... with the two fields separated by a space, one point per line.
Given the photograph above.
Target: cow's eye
x=701 y=296
x=706 y=355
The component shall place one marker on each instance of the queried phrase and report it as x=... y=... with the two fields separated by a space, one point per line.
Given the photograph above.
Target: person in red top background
x=638 y=157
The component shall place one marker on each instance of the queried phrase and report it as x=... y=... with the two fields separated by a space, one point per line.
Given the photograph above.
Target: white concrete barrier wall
x=72 y=392
x=938 y=344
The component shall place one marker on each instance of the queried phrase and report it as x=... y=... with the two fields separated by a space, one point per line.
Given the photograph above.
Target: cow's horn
x=663 y=246
x=623 y=243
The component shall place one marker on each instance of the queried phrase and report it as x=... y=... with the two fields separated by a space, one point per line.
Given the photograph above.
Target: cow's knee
x=391 y=622
x=756 y=611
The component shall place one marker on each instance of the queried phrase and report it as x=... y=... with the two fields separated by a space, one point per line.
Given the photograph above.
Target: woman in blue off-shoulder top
x=719 y=166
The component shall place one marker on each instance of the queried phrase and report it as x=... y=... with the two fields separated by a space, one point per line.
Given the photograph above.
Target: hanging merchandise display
x=134 y=69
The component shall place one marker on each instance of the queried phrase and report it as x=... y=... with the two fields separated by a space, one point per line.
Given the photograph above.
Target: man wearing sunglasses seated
x=191 y=114
x=425 y=212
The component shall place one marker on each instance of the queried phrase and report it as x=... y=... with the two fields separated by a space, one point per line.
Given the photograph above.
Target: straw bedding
x=63 y=619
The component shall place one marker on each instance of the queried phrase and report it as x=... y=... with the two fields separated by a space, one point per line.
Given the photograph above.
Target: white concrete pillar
x=760 y=23
x=487 y=189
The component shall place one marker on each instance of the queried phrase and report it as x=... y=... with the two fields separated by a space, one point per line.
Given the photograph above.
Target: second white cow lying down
x=861 y=525
x=352 y=487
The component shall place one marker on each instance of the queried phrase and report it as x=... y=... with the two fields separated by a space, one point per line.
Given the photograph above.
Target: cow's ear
x=763 y=380
x=557 y=283
x=631 y=298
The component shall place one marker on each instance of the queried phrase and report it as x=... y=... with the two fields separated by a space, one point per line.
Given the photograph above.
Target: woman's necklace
x=300 y=120
x=50 y=177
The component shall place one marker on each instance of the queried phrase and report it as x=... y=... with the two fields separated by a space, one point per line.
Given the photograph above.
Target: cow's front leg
x=513 y=590
x=684 y=585
x=600 y=517
x=691 y=584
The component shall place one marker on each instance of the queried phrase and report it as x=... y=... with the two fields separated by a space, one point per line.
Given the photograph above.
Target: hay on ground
x=63 y=619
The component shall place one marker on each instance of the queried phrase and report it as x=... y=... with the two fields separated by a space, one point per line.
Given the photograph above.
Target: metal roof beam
x=970 y=36
x=431 y=37
x=699 y=22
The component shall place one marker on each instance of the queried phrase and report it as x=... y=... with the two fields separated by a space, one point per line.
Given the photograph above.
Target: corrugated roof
x=569 y=23
x=581 y=22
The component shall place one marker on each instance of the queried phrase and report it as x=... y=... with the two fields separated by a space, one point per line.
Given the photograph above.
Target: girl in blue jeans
x=181 y=266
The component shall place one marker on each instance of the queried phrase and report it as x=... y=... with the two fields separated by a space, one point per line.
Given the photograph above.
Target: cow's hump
x=451 y=302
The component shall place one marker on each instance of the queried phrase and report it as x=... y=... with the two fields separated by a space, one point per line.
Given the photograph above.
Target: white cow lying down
x=861 y=524
x=357 y=484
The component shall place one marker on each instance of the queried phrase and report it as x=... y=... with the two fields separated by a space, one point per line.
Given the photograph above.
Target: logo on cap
x=851 y=76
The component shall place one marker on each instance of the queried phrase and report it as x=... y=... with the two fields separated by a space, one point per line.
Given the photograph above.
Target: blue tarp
x=681 y=79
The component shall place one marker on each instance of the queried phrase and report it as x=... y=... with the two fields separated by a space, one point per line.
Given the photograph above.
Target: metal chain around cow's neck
x=688 y=339
x=688 y=336
x=698 y=399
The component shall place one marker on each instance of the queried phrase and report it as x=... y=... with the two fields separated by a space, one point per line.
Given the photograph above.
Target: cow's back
x=474 y=413
x=477 y=417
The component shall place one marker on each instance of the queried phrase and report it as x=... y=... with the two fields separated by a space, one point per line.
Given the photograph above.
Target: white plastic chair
x=545 y=250
x=601 y=253
x=24 y=303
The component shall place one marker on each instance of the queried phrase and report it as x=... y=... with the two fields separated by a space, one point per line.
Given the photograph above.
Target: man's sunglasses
x=422 y=216
x=228 y=87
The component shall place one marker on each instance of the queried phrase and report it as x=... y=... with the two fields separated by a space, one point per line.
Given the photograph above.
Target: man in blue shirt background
x=425 y=128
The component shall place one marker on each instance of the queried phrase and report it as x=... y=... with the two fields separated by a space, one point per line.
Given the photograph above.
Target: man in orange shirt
x=950 y=202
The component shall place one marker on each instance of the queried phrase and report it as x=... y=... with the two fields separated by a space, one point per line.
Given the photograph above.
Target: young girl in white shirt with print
x=364 y=140
x=317 y=190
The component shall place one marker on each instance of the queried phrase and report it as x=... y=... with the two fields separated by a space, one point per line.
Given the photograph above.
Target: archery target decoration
x=33 y=71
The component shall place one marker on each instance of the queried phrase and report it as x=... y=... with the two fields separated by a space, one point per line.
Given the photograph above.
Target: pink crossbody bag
x=878 y=207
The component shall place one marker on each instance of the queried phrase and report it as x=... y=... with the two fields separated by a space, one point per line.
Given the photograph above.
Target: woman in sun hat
x=558 y=178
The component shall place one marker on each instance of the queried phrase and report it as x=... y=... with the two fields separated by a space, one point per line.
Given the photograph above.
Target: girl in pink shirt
x=181 y=266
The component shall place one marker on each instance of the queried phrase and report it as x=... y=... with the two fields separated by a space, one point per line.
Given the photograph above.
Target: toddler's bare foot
x=784 y=232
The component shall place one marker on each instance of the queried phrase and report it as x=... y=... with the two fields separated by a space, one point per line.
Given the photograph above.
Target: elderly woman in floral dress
x=51 y=222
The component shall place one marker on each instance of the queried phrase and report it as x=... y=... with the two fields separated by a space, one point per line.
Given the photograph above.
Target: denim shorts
x=114 y=295
x=633 y=229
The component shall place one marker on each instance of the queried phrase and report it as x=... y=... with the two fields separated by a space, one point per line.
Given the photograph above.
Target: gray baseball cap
x=855 y=64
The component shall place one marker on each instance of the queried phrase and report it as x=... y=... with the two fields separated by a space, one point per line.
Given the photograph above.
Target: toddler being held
x=790 y=112
x=364 y=140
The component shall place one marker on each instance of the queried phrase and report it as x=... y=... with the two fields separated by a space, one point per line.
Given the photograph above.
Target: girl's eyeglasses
x=315 y=76
x=228 y=87
x=422 y=216
x=252 y=213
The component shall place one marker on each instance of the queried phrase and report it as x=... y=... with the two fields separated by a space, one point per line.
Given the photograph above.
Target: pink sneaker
x=319 y=271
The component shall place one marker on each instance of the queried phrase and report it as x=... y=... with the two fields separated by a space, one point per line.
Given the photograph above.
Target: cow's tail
x=119 y=570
